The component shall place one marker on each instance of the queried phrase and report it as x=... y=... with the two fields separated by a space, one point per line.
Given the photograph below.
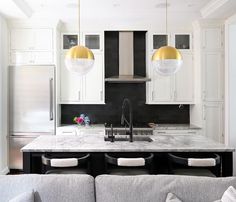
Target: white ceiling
x=118 y=13
x=67 y=10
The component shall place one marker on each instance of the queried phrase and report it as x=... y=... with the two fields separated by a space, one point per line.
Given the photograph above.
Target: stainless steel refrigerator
x=31 y=107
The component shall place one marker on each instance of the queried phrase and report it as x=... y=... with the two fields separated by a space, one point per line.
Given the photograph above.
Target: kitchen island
x=96 y=146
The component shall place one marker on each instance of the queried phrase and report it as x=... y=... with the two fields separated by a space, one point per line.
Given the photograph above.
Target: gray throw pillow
x=24 y=197
x=172 y=198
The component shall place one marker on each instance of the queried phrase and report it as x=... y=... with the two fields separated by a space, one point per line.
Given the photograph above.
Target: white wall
x=3 y=96
x=230 y=78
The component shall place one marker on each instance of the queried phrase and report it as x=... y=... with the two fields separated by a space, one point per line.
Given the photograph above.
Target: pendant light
x=167 y=60
x=79 y=59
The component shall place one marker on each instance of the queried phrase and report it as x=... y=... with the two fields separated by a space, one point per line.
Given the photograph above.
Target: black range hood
x=126 y=61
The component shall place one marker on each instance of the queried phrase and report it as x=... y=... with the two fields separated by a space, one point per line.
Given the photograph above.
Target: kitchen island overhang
x=96 y=146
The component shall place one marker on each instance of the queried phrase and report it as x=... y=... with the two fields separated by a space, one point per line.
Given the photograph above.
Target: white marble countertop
x=158 y=127
x=96 y=143
x=176 y=127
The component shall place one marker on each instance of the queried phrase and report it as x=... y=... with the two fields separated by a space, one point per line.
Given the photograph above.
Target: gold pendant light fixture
x=167 y=60
x=79 y=59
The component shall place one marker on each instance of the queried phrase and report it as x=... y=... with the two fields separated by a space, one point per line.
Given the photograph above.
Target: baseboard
x=4 y=171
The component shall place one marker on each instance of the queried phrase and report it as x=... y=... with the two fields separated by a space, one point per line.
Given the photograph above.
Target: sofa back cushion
x=49 y=188
x=154 y=188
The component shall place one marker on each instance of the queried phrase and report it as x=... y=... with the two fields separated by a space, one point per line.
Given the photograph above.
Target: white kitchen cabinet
x=213 y=76
x=158 y=40
x=70 y=85
x=31 y=46
x=87 y=89
x=43 y=40
x=27 y=57
x=162 y=88
x=184 y=91
x=31 y=39
x=182 y=41
x=176 y=89
x=212 y=38
x=213 y=121
x=93 y=40
x=209 y=84
x=93 y=88
x=21 y=39
x=21 y=57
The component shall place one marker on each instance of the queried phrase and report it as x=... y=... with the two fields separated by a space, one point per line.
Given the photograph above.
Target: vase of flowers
x=82 y=120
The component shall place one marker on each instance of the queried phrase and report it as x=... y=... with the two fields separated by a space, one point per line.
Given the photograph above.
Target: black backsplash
x=111 y=112
x=115 y=93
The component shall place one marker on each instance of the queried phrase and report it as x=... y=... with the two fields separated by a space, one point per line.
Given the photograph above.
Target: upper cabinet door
x=31 y=39
x=162 y=88
x=213 y=76
x=93 y=89
x=184 y=80
x=22 y=39
x=43 y=39
x=93 y=41
x=70 y=85
x=212 y=39
x=182 y=41
x=159 y=40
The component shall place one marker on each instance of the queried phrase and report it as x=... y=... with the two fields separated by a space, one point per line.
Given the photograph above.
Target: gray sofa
x=107 y=188
x=49 y=188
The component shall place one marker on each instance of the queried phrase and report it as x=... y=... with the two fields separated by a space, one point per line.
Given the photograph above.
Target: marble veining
x=95 y=143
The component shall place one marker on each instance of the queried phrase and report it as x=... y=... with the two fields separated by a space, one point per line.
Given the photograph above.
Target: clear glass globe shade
x=167 y=67
x=79 y=66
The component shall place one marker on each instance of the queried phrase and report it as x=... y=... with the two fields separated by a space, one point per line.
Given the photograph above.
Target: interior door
x=31 y=90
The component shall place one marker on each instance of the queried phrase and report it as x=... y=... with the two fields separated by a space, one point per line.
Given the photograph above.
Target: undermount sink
x=126 y=138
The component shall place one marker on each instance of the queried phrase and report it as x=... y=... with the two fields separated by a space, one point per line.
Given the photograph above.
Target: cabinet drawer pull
x=79 y=95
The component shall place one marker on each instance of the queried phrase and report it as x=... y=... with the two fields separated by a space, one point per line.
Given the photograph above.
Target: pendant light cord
x=79 y=21
x=166 y=17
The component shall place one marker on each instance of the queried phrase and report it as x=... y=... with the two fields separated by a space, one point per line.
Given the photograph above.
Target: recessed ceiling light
x=162 y=5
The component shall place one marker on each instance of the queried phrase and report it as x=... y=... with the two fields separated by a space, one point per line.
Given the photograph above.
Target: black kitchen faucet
x=126 y=102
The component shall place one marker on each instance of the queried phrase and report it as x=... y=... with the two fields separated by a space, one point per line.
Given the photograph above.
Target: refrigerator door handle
x=51 y=99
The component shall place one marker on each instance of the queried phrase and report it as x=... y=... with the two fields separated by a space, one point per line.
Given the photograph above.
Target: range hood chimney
x=126 y=61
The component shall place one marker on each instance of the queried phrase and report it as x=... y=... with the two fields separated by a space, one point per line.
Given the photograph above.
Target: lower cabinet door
x=213 y=121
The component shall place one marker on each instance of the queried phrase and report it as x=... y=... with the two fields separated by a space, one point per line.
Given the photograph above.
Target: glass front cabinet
x=181 y=41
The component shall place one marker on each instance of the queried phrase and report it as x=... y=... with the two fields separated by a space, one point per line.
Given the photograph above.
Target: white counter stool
x=129 y=164
x=58 y=165
x=194 y=164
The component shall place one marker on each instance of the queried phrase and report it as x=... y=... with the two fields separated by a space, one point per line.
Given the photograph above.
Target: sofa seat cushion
x=49 y=188
x=24 y=197
x=155 y=188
